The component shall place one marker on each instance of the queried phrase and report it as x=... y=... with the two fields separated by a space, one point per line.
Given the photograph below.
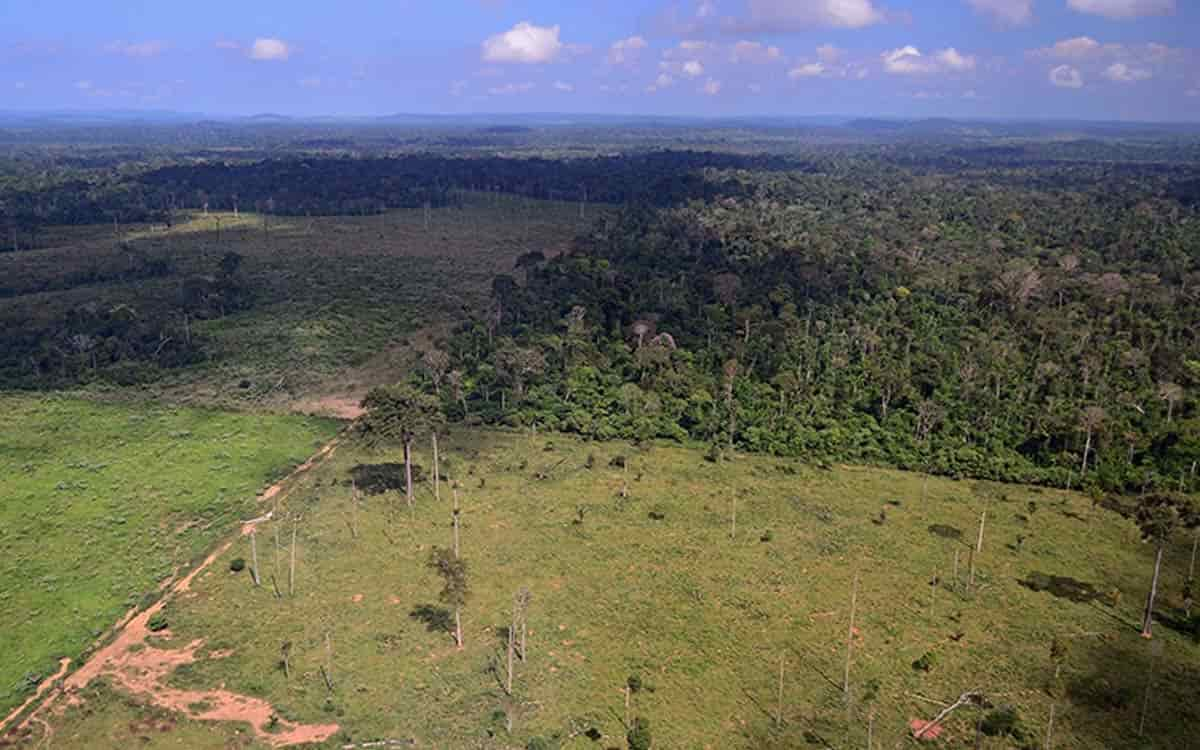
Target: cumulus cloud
x=269 y=49
x=136 y=49
x=664 y=81
x=785 y=15
x=524 y=43
x=1123 y=9
x=509 y=89
x=1122 y=73
x=754 y=52
x=1066 y=77
x=693 y=68
x=1072 y=49
x=908 y=60
x=564 y=87
x=626 y=51
x=808 y=70
x=1008 y=12
x=711 y=87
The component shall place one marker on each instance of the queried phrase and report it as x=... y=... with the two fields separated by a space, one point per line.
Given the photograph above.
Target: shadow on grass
x=436 y=619
x=1062 y=587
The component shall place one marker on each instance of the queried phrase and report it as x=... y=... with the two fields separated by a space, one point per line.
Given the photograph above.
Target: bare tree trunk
x=512 y=645
x=408 y=484
x=733 y=517
x=458 y=635
x=275 y=569
x=437 y=477
x=779 y=712
x=850 y=638
x=1148 y=621
x=1192 y=565
x=1050 y=728
x=254 y=557
x=1087 y=448
x=971 y=572
x=979 y=543
x=456 y=519
x=292 y=565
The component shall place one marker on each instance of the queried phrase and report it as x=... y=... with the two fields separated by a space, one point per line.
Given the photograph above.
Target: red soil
x=141 y=669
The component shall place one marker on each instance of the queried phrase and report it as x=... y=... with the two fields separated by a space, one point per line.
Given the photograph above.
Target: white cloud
x=139 y=49
x=808 y=70
x=509 y=89
x=626 y=51
x=754 y=52
x=908 y=60
x=712 y=87
x=693 y=68
x=524 y=43
x=1066 y=77
x=664 y=81
x=269 y=49
x=781 y=15
x=1123 y=8
x=1076 y=48
x=1122 y=73
x=564 y=87
x=951 y=59
x=1009 y=12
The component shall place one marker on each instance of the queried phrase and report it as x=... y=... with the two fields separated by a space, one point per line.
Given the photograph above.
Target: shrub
x=157 y=623
x=639 y=735
x=1003 y=722
x=237 y=565
x=538 y=743
x=926 y=663
x=617 y=462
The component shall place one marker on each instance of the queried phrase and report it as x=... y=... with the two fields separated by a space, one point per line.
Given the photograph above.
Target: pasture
x=101 y=503
x=638 y=567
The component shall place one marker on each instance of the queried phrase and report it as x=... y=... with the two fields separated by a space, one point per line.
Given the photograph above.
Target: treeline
x=343 y=186
x=934 y=322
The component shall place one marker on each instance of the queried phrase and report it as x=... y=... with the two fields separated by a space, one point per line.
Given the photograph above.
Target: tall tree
x=1158 y=516
x=398 y=414
x=453 y=571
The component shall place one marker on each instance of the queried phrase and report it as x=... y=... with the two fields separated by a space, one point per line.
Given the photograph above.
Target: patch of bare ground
x=136 y=663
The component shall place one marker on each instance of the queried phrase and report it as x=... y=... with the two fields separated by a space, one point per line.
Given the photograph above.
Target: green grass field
x=653 y=585
x=100 y=503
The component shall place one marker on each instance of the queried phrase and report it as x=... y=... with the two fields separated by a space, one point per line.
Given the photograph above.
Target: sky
x=1087 y=59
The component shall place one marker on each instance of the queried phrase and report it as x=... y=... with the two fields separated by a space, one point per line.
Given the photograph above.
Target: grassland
x=99 y=503
x=338 y=300
x=655 y=584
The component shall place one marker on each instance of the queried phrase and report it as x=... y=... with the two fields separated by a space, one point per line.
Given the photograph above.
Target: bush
x=539 y=743
x=639 y=735
x=157 y=623
x=617 y=462
x=237 y=565
x=926 y=663
x=1003 y=722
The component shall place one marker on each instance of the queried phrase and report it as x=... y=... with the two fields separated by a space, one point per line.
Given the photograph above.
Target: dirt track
x=139 y=665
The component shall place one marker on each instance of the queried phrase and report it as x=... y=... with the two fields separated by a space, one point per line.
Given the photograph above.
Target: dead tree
x=254 y=557
x=850 y=637
x=292 y=564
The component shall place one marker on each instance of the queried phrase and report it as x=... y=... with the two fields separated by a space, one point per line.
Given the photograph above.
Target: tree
x=1172 y=394
x=453 y=571
x=1091 y=421
x=397 y=414
x=639 y=735
x=436 y=363
x=1158 y=516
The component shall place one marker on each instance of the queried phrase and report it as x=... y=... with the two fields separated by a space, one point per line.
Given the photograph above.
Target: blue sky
x=1095 y=59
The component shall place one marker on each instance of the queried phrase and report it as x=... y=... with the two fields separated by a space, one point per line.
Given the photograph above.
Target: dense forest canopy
x=1007 y=308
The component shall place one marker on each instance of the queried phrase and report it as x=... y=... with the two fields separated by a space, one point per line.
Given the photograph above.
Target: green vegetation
x=98 y=504
x=646 y=590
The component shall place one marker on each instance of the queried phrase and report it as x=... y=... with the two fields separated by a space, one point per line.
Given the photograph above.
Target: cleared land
x=338 y=301
x=100 y=503
x=655 y=584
